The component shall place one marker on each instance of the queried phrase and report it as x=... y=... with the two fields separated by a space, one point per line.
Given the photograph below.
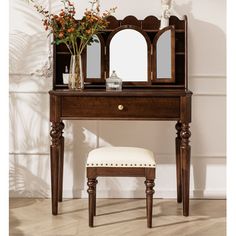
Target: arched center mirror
x=128 y=55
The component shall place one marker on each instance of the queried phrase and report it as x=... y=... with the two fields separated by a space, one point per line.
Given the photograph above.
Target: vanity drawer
x=120 y=107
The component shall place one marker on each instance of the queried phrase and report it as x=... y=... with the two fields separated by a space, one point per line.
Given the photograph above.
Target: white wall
x=30 y=80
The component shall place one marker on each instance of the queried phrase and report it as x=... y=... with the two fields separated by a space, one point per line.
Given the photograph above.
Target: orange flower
x=61 y=35
x=71 y=30
x=62 y=13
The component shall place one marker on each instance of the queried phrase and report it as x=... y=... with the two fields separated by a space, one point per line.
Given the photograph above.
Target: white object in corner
x=166 y=12
x=65 y=76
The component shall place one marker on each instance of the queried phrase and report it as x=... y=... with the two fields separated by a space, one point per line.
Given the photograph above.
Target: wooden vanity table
x=156 y=98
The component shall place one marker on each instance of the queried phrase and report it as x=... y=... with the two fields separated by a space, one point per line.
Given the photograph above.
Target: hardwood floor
x=116 y=217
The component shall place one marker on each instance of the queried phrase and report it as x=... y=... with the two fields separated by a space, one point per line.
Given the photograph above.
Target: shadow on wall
x=28 y=55
x=204 y=38
x=207 y=43
x=25 y=184
x=29 y=50
x=77 y=144
x=207 y=50
x=28 y=66
x=80 y=139
x=28 y=124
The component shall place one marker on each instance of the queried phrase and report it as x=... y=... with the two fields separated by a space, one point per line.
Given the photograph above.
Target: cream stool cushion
x=121 y=157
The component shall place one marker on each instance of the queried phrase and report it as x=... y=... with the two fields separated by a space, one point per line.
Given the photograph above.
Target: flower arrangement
x=76 y=35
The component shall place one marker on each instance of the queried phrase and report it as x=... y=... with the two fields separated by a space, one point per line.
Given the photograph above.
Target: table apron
x=150 y=108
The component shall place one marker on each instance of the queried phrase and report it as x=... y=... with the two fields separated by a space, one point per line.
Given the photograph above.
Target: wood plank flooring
x=116 y=217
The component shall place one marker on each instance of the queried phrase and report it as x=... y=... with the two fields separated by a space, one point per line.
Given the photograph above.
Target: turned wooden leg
x=91 y=191
x=95 y=198
x=55 y=134
x=149 y=200
x=178 y=162
x=185 y=150
x=61 y=163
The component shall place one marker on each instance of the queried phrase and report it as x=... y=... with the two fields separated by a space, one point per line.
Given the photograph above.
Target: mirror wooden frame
x=151 y=26
x=102 y=66
x=148 y=41
x=154 y=60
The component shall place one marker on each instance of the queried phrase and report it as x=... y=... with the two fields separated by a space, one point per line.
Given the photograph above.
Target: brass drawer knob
x=120 y=107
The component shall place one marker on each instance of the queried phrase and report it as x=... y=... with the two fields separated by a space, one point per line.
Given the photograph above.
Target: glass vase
x=76 y=80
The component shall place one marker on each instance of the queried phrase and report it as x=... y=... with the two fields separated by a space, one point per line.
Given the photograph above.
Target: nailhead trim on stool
x=121 y=157
x=121 y=161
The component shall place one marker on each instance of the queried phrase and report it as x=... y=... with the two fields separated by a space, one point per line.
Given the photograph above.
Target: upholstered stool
x=121 y=161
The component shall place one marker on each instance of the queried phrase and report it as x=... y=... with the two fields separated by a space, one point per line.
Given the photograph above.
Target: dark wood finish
x=92 y=194
x=94 y=172
x=108 y=107
x=149 y=27
x=55 y=148
x=139 y=104
x=185 y=149
x=113 y=23
x=178 y=162
x=140 y=101
x=156 y=80
x=55 y=153
x=151 y=23
x=131 y=20
x=149 y=200
x=95 y=199
x=88 y=80
x=61 y=164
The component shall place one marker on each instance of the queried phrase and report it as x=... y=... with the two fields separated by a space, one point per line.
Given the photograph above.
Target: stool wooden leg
x=95 y=197
x=149 y=200
x=91 y=191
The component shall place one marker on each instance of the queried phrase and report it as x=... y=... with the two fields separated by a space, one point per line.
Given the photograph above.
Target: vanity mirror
x=141 y=53
x=93 y=59
x=128 y=55
x=164 y=56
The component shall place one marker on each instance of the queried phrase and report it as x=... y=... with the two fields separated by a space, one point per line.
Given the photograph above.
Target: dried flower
x=66 y=29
